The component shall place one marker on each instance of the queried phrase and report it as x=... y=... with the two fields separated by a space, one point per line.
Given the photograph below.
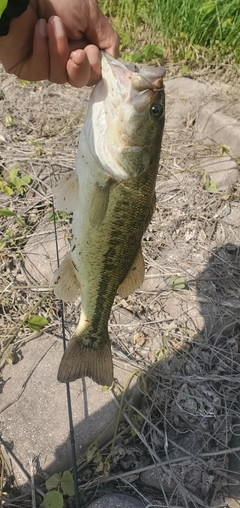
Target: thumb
x=101 y=33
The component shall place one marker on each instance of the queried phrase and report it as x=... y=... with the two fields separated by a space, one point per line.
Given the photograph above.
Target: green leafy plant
x=36 y=323
x=7 y=213
x=211 y=27
x=209 y=184
x=177 y=282
x=58 y=485
x=8 y=121
x=14 y=182
x=146 y=53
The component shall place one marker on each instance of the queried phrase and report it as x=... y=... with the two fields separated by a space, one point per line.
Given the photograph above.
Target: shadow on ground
x=178 y=442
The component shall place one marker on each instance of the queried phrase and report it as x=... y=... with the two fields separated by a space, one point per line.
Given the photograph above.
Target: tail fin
x=80 y=360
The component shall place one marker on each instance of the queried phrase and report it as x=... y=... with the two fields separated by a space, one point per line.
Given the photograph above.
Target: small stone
x=139 y=339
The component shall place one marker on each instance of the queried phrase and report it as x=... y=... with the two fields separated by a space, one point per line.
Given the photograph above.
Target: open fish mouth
x=143 y=78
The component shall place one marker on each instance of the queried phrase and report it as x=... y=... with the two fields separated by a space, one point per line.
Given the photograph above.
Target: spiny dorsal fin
x=65 y=283
x=67 y=192
x=80 y=361
x=99 y=204
x=134 y=277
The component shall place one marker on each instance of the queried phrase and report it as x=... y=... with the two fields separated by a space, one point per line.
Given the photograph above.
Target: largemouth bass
x=112 y=196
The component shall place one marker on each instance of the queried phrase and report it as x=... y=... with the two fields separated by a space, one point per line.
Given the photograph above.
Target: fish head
x=126 y=117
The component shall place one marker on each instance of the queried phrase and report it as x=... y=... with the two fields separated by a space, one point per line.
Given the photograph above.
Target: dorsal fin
x=64 y=281
x=134 y=277
x=67 y=192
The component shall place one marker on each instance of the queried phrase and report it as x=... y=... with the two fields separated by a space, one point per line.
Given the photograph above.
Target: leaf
x=17 y=183
x=136 y=57
x=26 y=179
x=104 y=388
x=53 y=481
x=152 y=50
x=67 y=483
x=9 y=121
x=224 y=149
x=7 y=213
x=13 y=174
x=207 y=7
x=36 y=323
x=210 y=185
x=5 y=188
x=91 y=452
x=2 y=245
x=184 y=69
x=53 y=499
x=24 y=82
x=177 y=282
x=100 y=467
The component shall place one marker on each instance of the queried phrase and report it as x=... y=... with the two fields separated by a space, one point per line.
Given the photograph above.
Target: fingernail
x=58 y=26
x=93 y=56
x=42 y=27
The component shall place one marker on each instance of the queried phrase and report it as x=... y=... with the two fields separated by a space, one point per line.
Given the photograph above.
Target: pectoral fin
x=65 y=283
x=67 y=192
x=134 y=277
x=99 y=204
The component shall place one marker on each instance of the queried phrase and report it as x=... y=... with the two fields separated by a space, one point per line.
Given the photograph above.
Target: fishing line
x=69 y=403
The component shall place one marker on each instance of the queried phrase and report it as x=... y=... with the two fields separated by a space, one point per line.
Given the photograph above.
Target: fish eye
x=156 y=110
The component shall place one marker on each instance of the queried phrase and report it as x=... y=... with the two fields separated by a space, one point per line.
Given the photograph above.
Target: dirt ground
x=182 y=439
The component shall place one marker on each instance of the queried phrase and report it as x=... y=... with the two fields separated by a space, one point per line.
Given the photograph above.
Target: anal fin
x=134 y=277
x=64 y=281
x=67 y=192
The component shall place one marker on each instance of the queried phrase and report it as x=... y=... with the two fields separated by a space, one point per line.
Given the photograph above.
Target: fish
x=111 y=194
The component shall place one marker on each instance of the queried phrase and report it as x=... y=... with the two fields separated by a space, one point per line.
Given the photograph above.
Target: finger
x=58 y=50
x=84 y=67
x=94 y=58
x=36 y=67
x=78 y=68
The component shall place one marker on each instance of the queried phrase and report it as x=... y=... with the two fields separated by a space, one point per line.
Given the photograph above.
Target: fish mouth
x=142 y=78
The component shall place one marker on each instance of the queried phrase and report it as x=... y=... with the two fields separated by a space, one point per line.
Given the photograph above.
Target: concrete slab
x=212 y=123
x=183 y=98
x=223 y=171
x=33 y=408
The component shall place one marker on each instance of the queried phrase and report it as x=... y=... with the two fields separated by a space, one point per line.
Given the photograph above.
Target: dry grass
x=179 y=433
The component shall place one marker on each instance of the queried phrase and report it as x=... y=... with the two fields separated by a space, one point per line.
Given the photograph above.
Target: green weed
x=14 y=182
x=185 y=28
x=58 y=485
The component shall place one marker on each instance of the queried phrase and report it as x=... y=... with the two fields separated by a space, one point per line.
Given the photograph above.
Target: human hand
x=51 y=42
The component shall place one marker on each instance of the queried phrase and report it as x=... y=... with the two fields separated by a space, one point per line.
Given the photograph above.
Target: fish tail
x=86 y=357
